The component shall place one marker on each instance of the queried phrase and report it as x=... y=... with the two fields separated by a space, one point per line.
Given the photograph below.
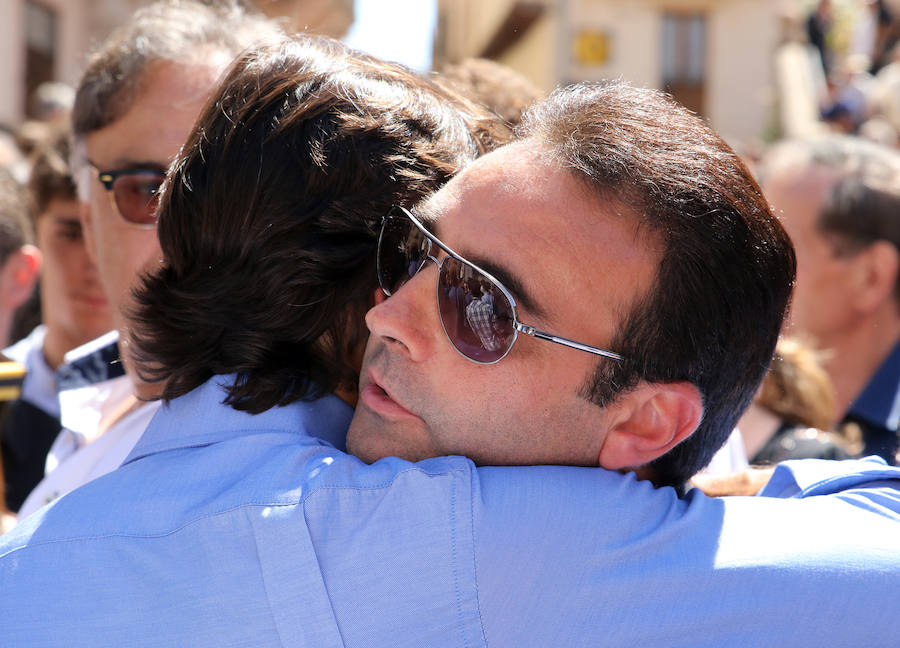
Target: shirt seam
x=334 y=615
x=454 y=557
x=475 y=562
x=265 y=584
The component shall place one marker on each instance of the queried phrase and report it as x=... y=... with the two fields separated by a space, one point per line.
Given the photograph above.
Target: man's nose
x=408 y=321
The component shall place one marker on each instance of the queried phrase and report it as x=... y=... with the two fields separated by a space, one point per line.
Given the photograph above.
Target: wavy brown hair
x=269 y=218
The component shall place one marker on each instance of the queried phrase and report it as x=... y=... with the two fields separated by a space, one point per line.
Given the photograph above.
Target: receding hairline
x=206 y=60
x=843 y=154
x=598 y=197
x=197 y=33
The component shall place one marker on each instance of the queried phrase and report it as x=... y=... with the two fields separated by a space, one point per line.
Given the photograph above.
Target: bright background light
x=395 y=30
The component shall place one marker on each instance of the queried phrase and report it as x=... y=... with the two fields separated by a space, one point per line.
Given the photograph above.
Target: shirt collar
x=94 y=362
x=201 y=418
x=879 y=402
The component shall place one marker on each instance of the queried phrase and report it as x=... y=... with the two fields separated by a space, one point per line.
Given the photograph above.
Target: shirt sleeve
x=562 y=553
x=808 y=477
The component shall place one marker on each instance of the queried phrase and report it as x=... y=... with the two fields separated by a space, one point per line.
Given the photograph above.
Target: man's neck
x=143 y=390
x=56 y=344
x=856 y=356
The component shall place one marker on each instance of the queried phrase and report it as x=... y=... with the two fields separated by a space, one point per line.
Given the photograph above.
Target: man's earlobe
x=648 y=422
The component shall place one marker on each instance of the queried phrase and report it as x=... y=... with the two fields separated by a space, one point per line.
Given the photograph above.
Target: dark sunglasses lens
x=476 y=315
x=137 y=197
x=402 y=249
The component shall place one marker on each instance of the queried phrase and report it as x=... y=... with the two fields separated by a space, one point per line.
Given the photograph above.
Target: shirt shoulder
x=286 y=515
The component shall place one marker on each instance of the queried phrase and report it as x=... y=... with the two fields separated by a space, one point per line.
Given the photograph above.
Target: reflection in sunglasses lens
x=476 y=315
x=137 y=197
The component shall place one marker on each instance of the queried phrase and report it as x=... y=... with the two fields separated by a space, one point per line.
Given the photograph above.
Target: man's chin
x=362 y=437
x=370 y=439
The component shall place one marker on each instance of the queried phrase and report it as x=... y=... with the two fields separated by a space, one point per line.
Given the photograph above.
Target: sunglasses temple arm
x=542 y=335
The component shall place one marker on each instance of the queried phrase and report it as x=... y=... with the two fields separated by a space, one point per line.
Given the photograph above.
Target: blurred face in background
x=73 y=304
x=821 y=303
x=145 y=138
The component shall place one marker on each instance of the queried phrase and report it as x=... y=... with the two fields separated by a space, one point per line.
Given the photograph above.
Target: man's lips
x=94 y=300
x=379 y=401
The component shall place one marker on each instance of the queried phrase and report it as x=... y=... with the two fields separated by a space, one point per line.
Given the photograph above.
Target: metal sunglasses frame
x=518 y=327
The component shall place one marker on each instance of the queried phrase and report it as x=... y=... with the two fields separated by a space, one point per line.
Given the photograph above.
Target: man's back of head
x=335 y=138
x=839 y=198
x=19 y=260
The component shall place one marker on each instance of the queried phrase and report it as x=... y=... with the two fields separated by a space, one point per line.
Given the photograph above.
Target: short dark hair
x=724 y=278
x=268 y=220
x=178 y=31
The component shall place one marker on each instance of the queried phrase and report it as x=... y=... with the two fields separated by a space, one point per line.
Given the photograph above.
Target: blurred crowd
x=858 y=67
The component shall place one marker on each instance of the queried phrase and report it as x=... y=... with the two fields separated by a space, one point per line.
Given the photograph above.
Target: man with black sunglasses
x=134 y=106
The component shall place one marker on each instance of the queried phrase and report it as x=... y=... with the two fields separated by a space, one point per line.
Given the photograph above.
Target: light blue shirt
x=225 y=529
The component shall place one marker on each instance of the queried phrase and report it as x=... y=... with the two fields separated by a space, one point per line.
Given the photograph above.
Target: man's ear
x=649 y=421
x=21 y=273
x=875 y=270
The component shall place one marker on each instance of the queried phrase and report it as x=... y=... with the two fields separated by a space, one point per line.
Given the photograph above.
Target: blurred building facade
x=48 y=40
x=715 y=56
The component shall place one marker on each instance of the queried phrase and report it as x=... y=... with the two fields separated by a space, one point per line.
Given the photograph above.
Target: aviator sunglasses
x=134 y=193
x=477 y=312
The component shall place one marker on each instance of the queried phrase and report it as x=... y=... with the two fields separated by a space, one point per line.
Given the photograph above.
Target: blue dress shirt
x=225 y=529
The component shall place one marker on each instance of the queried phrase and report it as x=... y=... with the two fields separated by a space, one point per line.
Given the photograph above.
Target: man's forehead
x=157 y=119
x=507 y=172
x=799 y=184
x=538 y=224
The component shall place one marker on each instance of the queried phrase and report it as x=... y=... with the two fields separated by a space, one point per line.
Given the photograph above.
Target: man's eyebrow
x=508 y=279
x=523 y=297
x=119 y=164
x=66 y=220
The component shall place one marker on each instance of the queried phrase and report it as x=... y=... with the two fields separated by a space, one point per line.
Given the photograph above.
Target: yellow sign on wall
x=592 y=47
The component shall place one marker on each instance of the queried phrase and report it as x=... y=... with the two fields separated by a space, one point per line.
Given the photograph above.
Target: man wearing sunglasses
x=135 y=104
x=226 y=528
x=627 y=301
